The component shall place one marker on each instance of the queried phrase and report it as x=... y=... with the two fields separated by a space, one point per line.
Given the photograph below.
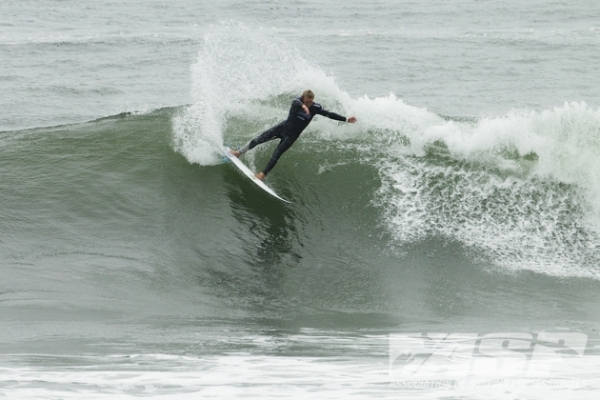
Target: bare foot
x=260 y=176
x=235 y=153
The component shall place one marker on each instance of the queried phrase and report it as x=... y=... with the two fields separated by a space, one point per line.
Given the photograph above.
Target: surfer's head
x=308 y=97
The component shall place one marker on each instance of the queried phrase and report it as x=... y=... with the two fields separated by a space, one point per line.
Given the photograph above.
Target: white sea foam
x=521 y=189
x=164 y=376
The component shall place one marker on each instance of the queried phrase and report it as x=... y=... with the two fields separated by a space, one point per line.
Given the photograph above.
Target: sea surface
x=462 y=208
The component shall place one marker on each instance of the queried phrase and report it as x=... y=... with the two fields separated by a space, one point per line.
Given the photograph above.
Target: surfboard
x=246 y=171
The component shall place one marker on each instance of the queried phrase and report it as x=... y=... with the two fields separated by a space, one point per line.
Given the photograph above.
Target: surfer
x=302 y=111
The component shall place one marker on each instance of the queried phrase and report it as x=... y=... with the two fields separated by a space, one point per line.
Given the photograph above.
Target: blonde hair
x=308 y=94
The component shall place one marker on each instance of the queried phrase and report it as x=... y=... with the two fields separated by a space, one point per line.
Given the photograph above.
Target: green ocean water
x=114 y=244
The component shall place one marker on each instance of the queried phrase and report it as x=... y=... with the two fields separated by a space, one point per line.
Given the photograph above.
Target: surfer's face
x=307 y=102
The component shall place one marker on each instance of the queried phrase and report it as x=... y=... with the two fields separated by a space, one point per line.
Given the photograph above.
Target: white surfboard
x=242 y=167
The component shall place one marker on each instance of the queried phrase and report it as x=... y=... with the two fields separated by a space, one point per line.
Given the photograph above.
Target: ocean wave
x=521 y=189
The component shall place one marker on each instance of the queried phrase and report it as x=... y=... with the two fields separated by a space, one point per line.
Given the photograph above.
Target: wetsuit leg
x=285 y=144
x=275 y=132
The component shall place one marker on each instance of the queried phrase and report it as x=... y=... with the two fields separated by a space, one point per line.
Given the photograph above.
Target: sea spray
x=238 y=64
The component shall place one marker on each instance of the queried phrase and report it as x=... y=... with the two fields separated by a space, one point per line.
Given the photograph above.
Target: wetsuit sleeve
x=321 y=111
x=296 y=105
x=297 y=110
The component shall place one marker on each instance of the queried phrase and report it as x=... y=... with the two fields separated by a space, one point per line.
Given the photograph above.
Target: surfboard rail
x=246 y=171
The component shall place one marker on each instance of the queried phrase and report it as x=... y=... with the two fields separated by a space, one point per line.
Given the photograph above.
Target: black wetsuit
x=290 y=129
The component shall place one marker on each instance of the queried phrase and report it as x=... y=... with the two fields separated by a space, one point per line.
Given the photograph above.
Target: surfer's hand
x=351 y=120
x=306 y=110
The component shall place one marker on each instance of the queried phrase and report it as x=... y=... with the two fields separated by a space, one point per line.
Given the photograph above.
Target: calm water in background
x=134 y=263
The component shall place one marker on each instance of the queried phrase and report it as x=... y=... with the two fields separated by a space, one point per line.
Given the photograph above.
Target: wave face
x=520 y=191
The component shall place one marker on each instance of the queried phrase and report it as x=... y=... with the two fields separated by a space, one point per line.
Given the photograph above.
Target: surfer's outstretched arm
x=321 y=111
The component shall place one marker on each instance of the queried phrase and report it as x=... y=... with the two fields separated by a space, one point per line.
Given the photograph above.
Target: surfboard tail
x=246 y=171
